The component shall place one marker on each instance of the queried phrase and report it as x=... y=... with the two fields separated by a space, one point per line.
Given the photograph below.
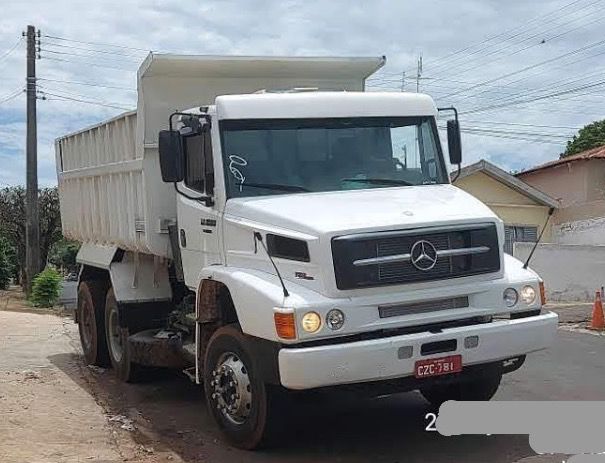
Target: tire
x=91 y=322
x=117 y=342
x=482 y=388
x=252 y=422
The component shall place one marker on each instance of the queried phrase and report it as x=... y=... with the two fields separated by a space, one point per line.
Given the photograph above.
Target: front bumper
x=377 y=359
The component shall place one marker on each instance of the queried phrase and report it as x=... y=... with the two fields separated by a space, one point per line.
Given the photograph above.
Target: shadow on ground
x=170 y=415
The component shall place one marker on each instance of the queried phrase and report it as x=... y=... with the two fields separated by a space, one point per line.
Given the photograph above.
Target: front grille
x=402 y=271
x=423 y=307
x=383 y=258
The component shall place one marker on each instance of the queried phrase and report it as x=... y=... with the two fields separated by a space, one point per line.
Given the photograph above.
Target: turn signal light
x=542 y=293
x=285 y=325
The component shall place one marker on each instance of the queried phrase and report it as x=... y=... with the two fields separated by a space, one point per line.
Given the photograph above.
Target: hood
x=362 y=210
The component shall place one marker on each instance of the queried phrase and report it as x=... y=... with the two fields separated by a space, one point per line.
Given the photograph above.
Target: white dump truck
x=267 y=226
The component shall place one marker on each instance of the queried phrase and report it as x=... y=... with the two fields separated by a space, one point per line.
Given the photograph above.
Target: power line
x=78 y=55
x=522 y=124
x=11 y=96
x=530 y=100
x=79 y=100
x=444 y=59
x=11 y=49
x=86 y=63
x=99 y=44
x=71 y=47
x=77 y=95
x=527 y=68
x=508 y=136
x=89 y=84
x=535 y=43
x=548 y=86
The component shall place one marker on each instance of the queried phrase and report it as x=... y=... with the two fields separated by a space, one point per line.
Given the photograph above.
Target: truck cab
x=310 y=238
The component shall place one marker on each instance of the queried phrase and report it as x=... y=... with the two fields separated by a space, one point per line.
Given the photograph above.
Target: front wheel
x=237 y=397
x=482 y=388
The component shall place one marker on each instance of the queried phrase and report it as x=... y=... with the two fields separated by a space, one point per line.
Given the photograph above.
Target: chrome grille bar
x=395 y=258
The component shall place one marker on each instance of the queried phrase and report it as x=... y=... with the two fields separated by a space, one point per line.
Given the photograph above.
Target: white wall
x=588 y=231
x=570 y=272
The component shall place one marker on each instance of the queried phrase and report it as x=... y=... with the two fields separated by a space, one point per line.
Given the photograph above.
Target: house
x=578 y=183
x=522 y=207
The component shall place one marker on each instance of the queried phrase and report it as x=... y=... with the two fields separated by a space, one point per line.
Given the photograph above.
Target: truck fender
x=254 y=294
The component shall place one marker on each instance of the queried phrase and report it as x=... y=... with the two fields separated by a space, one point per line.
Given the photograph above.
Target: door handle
x=183 y=238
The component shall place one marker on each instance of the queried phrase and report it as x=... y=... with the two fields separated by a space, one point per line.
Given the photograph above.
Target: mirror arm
x=207 y=200
x=457 y=174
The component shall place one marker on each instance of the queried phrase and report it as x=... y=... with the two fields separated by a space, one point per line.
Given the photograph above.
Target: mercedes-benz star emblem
x=423 y=255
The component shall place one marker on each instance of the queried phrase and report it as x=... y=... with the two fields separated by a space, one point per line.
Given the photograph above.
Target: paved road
x=173 y=425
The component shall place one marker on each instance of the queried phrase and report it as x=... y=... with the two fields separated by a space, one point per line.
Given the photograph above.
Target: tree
x=63 y=254
x=46 y=288
x=5 y=265
x=12 y=218
x=590 y=136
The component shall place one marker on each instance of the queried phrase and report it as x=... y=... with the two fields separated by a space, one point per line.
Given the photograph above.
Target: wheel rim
x=115 y=338
x=86 y=325
x=231 y=390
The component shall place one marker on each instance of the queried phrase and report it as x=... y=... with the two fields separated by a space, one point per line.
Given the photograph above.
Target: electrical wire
x=12 y=95
x=107 y=52
x=102 y=59
x=521 y=124
x=11 y=49
x=530 y=100
x=99 y=44
x=65 y=97
x=508 y=136
x=443 y=61
x=534 y=43
x=527 y=68
x=89 y=84
x=66 y=92
x=79 y=63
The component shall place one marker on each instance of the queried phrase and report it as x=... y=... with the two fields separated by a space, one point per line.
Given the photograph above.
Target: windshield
x=265 y=157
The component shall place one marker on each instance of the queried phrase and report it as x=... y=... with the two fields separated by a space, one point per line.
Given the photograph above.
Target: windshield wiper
x=274 y=186
x=378 y=181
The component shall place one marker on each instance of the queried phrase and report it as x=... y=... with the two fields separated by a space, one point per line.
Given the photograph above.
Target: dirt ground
x=50 y=409
x=54 y=409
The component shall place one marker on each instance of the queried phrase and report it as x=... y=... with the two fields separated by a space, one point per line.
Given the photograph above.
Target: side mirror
x=172 y=156
x=453 y=142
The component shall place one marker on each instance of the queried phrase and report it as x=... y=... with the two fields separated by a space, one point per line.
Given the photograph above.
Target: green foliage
x=46 y=288
x=590 y=136
x=63 y=254
x=6 y=269
x=12 y=224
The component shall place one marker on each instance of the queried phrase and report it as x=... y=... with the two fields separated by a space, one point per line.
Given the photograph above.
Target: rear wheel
x=482 y=388
x=240 y=402
x=117 y=342
x=91 y=322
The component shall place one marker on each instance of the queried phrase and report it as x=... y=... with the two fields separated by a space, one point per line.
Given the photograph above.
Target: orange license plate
x=438 y=366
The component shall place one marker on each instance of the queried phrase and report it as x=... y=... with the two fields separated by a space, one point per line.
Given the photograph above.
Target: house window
x=518 y=234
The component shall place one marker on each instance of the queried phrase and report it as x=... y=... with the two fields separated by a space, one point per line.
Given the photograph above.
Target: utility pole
x=32 y=223
x=418 y=73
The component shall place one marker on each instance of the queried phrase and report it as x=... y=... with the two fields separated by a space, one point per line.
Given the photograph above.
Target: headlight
x=528 y=295
x=311 y=322
x=335 y=319
x=510 y=297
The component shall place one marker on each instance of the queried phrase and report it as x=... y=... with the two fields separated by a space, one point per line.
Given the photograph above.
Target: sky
x=525 y=76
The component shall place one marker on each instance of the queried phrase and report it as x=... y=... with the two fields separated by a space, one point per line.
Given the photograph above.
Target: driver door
x=198 y=221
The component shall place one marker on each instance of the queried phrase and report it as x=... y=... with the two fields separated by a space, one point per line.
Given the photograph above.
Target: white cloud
x=400 y=30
